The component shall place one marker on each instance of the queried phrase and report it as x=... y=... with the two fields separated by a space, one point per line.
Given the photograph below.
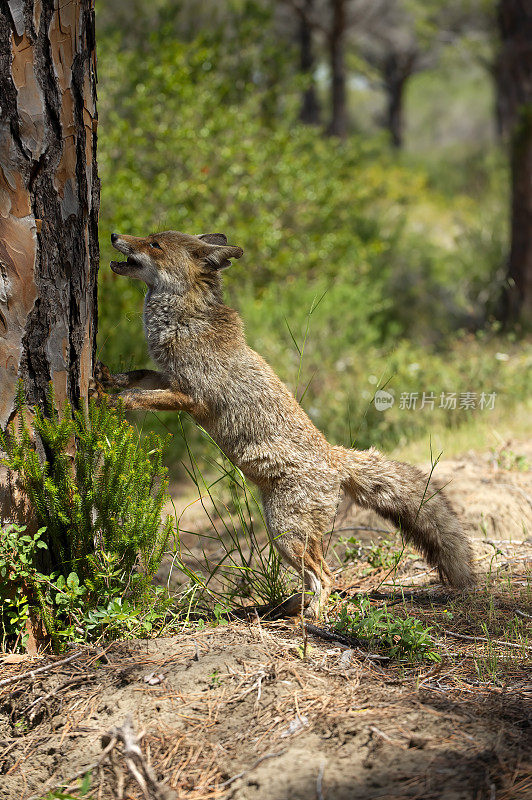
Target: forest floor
x=252 y=711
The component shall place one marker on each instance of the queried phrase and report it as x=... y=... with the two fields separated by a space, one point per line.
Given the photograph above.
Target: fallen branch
x=32 y=673
x=319 y=781
x=348 y=641
x=436 y=595
x=488 y=641
x=33 y=707
x=385 y=736
x=139 y=769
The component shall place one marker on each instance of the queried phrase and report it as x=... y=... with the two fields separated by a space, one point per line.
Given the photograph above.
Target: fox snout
x=135 y=249
x=124 y=244
x=171 y=257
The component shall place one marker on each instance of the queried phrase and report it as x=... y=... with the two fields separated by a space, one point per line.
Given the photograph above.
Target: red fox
x=208 y=370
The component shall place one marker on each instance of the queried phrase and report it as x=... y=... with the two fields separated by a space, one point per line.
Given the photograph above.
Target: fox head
x=174 y=260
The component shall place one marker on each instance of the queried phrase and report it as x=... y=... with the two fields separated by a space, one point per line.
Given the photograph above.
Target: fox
x=206 y=368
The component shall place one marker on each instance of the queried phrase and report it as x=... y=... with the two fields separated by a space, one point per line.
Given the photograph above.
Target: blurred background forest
x=358 y=151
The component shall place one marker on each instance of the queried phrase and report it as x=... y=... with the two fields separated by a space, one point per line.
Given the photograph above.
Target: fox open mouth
x=123 y=267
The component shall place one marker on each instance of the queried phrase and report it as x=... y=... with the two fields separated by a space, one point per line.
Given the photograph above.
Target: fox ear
x=213 y=238
x=218 y=256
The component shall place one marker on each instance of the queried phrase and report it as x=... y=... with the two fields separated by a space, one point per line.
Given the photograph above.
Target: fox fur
x=208 y=370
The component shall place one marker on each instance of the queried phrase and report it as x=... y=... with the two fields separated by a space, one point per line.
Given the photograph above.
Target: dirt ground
x=257 y=711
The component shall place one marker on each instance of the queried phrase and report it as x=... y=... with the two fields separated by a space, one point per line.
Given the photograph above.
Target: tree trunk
x=394 y=111
x=49 y=200
x=515 y=75
x=517 y=295
x=503 y=113
x=338 y=124
x=310 y=107
x=397 y=69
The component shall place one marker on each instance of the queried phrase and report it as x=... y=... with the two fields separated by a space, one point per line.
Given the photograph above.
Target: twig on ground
x=257 y=620
x=140 y=770
x=488 y=641
x=137 y=766
x=40 y=670
x=385 y=736
x=196 y=656
x=37 y=702
x=347 y=641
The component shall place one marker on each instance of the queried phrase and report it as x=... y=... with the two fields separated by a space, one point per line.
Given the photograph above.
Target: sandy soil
x=244 y=711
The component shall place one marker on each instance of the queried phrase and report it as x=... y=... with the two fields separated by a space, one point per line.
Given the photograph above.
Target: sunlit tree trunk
x=49 y=198
x=514 y=70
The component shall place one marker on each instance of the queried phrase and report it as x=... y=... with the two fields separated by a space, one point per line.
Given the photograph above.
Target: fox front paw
x=100 y=384
x=96 y=390
x=102 y=376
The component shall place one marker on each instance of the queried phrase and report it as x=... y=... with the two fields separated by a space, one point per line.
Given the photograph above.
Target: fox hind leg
x=298 y=536
x=305 y=555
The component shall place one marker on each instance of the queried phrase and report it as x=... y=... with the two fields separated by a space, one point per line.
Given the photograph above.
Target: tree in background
x=310 y=106
x=49 y=200
x=406 y=38
x=336 y=34
x=394 y=50
x=480 y=35
x=333 y=20
x=514 y=70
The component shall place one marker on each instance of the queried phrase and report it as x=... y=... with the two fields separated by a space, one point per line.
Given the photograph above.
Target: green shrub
x=402 y=260
x=97 y=489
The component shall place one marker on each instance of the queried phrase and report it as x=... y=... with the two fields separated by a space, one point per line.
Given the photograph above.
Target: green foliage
x=354 y=548
x=98 y=494
x=379 y=555
x=344 y=382
x=505 y=458
x=21 y=584
x=81 y=794
x=403 y=252
x=402 y=638
x=299 y=206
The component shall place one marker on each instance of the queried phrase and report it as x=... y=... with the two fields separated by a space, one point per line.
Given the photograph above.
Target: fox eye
x=155 y=244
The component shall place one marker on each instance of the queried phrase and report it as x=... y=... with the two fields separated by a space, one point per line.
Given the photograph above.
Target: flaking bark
x=49 y=200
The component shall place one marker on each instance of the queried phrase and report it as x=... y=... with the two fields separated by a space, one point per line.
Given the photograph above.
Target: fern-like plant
x=99 y=492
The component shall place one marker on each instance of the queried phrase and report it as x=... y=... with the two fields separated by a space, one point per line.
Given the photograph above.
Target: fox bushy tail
x=402 y=493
